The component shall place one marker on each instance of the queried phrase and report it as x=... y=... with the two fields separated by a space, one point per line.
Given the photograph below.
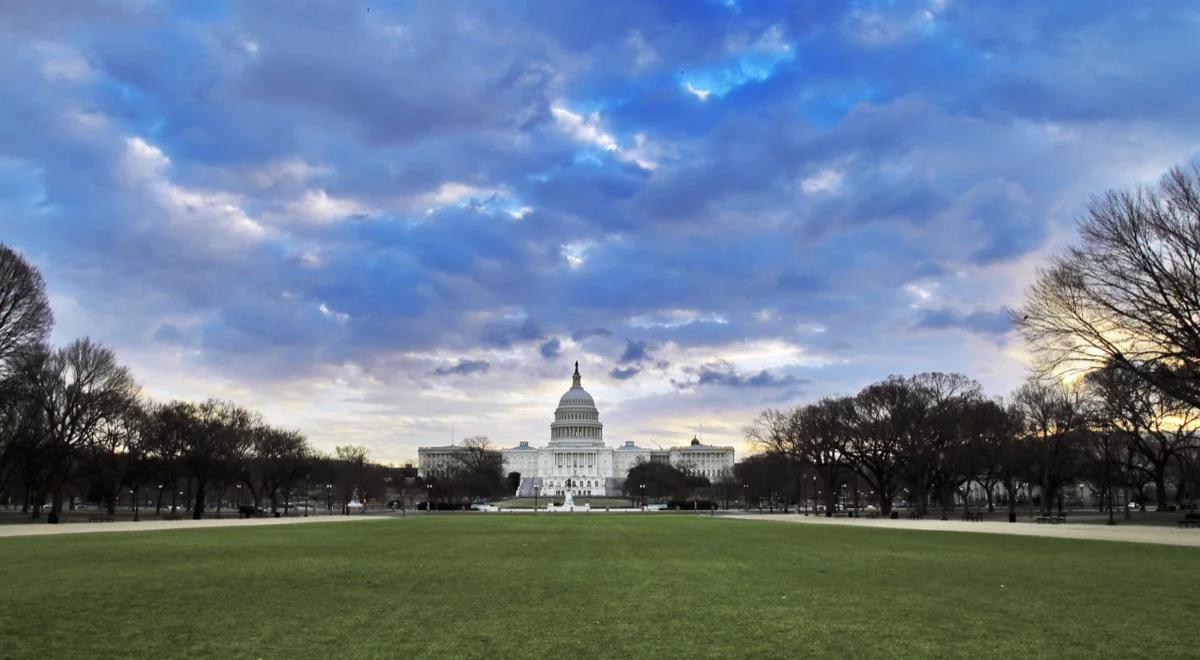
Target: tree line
x=1114 y=324
x=929 y=438
x=74 y=425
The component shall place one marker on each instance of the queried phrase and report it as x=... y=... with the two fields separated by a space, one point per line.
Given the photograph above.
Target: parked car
x=483 y=506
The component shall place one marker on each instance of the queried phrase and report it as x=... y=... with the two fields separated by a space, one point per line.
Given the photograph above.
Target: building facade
x=576 y=460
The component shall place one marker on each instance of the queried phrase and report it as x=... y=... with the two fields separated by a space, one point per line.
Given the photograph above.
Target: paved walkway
x=1129 y=533
x=42 y=529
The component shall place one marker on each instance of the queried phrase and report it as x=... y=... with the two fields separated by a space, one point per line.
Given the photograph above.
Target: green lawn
x=590 y=586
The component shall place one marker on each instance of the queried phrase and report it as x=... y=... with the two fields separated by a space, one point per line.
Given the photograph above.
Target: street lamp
x=329 y=498
x=133 y=497
x=429 y=497
x=642 y=496
x=536 y=489
x=745 y=499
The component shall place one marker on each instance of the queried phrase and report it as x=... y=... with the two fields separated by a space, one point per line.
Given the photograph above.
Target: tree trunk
x=198 y=508
x=1160 y=487
x=56 y=502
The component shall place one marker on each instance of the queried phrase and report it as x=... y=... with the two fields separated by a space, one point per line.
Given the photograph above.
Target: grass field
x=590 y=587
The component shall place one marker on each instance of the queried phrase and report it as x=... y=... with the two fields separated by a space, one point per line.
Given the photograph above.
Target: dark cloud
x=722 y=373
x=463 y=367
x=624 y=373
x=635 y=351
x=580 y=335
x=551 y=348
x=502 y=334
x=994 y=322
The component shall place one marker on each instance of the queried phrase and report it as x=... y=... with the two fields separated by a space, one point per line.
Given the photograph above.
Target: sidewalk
x=42 y=529
x=1129 y=534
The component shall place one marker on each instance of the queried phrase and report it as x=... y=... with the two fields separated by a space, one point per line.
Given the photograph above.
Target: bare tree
x=1129 y=295
x=1156 y=426
x=217 y=436
x=25 y=316
x=1010 y=446
x=1054 y=418
x=115 y=451
x=168 y=426
x=73 y=390
x=825 y=435
x=887 y=415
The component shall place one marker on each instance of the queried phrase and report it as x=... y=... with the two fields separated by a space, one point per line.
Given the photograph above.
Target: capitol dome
x=576 y=420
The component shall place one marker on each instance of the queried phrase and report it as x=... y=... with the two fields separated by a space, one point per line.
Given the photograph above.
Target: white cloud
x=142 y=161
x=576 y=253
x=215 y=216
x=588 y=129
x=825 y=181
x=643 y=52
x=321 y=207
x=674 y=318
x=701 y=94
x=332 y=314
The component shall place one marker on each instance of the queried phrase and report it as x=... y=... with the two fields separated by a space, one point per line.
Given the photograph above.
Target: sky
x=378 y=222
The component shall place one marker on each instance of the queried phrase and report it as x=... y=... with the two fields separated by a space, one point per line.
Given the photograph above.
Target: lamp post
x=158 y=502
x=745 y=498
x=536 y=489
x=133 y=496
x=429 y=497
x=308 y=493
x=642 y=496
x=239 y=491
x=329 y=498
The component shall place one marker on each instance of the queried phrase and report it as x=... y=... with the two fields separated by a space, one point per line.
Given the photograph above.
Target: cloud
x=241 y=214
x=994 y=322
x=504 y=333
x=580 y=335
x=635 y=351
x=624 y=373
x=463 y=367
x=722 y=373
x=551 y=348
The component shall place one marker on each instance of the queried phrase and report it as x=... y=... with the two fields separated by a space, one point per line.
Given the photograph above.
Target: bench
x=100 y=519
x=1053 y=520
x=914 y=515
x=973 y=517
x=1189 y=522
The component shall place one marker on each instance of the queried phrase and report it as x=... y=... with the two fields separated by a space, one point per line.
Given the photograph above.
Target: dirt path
x=1131 y=533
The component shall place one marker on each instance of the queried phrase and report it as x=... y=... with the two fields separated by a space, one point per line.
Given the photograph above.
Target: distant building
x=577 y=461
x=432 y=460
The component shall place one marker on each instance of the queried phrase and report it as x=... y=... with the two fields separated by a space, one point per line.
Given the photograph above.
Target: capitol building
x=577 y=461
